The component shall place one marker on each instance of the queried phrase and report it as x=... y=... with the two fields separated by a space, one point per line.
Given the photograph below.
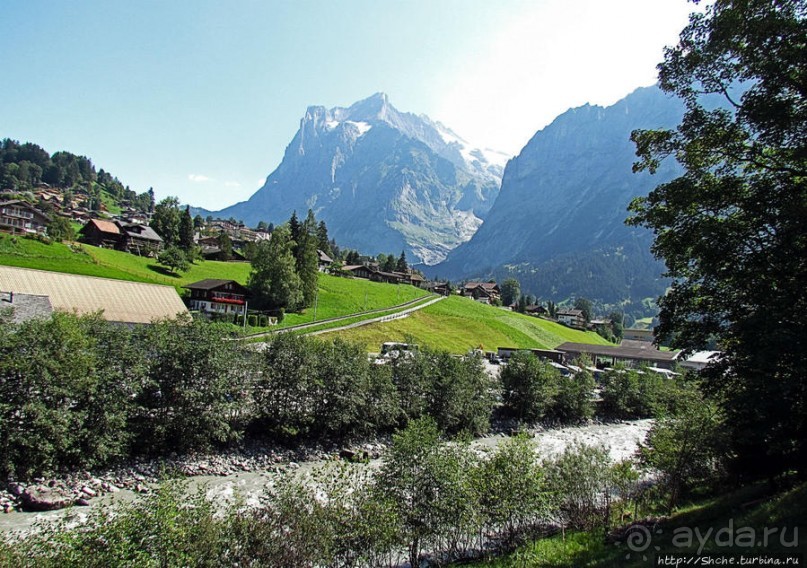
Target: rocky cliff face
x=382 y=180
x=563 y=202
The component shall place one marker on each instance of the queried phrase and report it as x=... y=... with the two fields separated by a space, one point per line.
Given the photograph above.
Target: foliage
x=64 y=401
x=174 y=258
x=511 y=292
x=574 y=398
x=166 y=220
x=306 y=258
x=578 y=480
x=307 y=387
x=511 y=487
x=194 y=390
x=274 y=281
x=428 y=485
x=687 y=448
x=60 y=229
x=586 y=306
x=185 y=230
x=629 y=393
x=731 y=229
x=529 y=386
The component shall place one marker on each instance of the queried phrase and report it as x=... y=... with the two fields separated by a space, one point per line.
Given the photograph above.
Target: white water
x=621 y=439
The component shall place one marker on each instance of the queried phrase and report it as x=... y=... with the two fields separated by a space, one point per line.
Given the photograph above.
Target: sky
x=199 y=98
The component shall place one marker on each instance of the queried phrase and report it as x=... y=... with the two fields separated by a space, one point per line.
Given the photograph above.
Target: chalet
x=118 y=301
x=105 y=234
x=535 y=310
x=572 y=318
x=215 y=253
x=636 y=334
x=386 y=277
x=632 y=356
x=359 y=271
x=129 y=237
x=416 y=280
x=441 y=288
x=139 y=239
x=485 y=292
x=324 y=261
x=214 y=296
x=701 y=359
x=17 y=216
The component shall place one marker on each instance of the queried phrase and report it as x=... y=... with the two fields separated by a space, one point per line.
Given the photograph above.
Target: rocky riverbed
x=249 y=471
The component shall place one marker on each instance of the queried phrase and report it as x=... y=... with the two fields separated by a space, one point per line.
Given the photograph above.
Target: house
x=441 y=288
x=416 y=280
x=118 y=301
x=636 y=334
x=485 y=292
x=17 y=216
x=324 y=261
x=572 y=318
x=386 y=277
x=608 y=355
x=134 y=238
x=215 y=296
x=700 y=359
x=535 y=310
x=139 y=239
x=215 y=253
x=359 y=271
x=96 y=232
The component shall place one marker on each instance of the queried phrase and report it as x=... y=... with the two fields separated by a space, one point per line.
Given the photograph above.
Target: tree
x=273 y=280
x=389 y=263
x=585 y=306
x=323 y=242
x=174 y=258
x=185 y=230
x=307 y=259
x=731 y=228
x=529 y=386
x=166 y=220
x=225 y=244
x=511 y=291
x=60 y=229
x=401 y=265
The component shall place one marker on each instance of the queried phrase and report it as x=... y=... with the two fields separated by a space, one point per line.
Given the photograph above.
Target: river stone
x=44 y=498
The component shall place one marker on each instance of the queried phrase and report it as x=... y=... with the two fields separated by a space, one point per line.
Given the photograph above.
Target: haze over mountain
x=558 y=223
x=382 y=180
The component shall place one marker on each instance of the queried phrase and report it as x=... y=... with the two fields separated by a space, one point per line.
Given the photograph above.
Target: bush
x=634 y=393
x=529 y=386
x=687 y=448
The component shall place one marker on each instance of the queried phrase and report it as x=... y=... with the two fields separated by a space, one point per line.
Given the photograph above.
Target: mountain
x=558 y=223
x=381 y=179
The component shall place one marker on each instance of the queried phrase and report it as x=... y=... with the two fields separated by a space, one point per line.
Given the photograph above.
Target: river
x=621 y=439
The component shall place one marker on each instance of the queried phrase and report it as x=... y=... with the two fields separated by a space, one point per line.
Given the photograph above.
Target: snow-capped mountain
x=382 y=180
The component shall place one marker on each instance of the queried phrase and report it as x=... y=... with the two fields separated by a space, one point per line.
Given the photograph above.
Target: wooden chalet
x=100 y=233
x=441 y=288
x=215 y=296
x=572 y=318
x=324 y=261
x=485 y=292
x=128 y=237
x=18 y=216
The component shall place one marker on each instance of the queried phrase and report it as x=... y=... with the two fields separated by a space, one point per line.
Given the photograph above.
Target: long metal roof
x=119 y=300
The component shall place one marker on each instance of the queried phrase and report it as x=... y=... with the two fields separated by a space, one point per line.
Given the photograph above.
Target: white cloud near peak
x=198 y=178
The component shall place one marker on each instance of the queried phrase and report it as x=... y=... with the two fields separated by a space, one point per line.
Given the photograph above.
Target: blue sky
x=199 y=99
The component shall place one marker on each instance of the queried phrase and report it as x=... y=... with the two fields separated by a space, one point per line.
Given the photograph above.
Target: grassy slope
x=748 y=507
x=337 y=296
x=459 y=324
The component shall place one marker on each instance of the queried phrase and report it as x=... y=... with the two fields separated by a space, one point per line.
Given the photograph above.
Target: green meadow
x=458 y=324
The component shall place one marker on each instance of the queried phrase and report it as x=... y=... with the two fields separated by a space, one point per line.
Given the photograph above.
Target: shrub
x=529 y=386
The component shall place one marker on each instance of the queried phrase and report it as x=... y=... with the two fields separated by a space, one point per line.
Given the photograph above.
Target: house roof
x=25 y=204
x=104 y=226
x=209 y=284
x=324 y=257
x=571 y=312
x=487 y=286
x=119 y=300
x=142 y=232
x=620 y=352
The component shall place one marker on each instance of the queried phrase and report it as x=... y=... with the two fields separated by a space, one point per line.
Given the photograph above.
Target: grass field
x=458 y=324
x=337 y=296
x=766 y=512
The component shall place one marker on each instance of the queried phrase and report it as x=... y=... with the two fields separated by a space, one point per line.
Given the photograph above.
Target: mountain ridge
x=383 y=180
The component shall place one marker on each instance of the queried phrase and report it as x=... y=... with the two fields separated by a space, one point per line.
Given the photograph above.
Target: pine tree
x=186 y=230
